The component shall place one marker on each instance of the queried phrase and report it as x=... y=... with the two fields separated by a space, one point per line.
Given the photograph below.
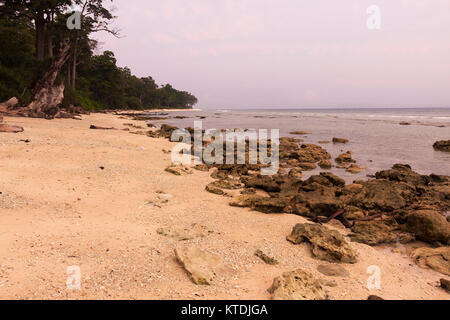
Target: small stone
x=340 y=140
x=445 y=284
x=266 y=258
x=333 y=270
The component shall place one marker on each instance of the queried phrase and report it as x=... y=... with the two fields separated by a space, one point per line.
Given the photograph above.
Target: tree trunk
x=74 y=63
x=50 y=38
x=68 y=73
x=47 y=97
x=40 y=37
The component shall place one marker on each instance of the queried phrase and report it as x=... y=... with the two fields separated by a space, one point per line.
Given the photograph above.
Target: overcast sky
x=290 y=53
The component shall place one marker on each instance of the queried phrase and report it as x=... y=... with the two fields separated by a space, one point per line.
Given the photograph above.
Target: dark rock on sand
x=429 y=226
x=382 y=195
x=378 y=232
x=211 y=188
x=403 y=173
x=202 y=167
x=228 y=184
x=442 y=146
x=355 y=169
x=340 y=140
x=261 y=204
x=327 y=244
x=437 y=259
x=445 y=284
x=264 y=257
x=325 y=164
x=345 y=158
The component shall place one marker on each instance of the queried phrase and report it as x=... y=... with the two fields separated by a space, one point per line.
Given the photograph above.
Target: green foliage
x=17 y=63
x=100 y=83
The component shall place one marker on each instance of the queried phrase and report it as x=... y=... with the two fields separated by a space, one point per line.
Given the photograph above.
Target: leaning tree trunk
x=47 y=97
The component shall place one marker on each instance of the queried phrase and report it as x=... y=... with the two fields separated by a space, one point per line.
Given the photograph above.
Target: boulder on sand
x=374 y=233
x=178 y=170
x=445 y=284
x=345 y=158
x=297 y=285
x=437 y=259
x=429 y=226
x=201 y=266
x=328 y=245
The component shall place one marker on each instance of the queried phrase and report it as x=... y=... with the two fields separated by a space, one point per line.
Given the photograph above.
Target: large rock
x=261 y=204
x=429 y=226
x=382 y=195
x=437 y=259
x=201 y=266
x=378 y=232
x=297 y=285
x=442 y=146
x=403 y=173
x=445 y=284
x=328 y=245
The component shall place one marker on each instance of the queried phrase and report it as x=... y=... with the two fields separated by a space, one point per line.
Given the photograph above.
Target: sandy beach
x=71 y=196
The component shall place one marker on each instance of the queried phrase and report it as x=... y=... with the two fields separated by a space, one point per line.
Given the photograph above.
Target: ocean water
x=376 y=136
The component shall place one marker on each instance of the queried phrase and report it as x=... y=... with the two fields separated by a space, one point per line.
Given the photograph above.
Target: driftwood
x=47 y=95
x=101 y=128
x=8 y=128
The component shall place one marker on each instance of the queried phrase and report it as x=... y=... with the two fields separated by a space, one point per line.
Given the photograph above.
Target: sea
x=379 y=138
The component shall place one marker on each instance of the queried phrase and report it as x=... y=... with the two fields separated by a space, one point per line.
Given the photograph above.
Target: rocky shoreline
x=143 y=228
x=396 y=206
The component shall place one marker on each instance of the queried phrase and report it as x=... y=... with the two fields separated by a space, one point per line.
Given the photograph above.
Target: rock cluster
x=328 y=245
x=442 y=146
x=396 y=205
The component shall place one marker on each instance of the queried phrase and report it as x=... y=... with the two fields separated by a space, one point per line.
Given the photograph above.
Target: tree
x=94 y=18
x=41 y=13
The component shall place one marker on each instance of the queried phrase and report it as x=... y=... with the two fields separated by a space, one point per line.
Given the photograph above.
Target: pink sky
x=290 y=53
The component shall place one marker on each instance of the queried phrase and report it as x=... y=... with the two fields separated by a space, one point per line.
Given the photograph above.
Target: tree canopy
x=30 y=34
